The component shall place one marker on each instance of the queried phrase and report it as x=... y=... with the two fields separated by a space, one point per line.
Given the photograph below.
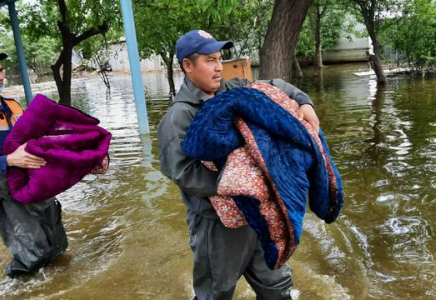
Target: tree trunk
x=375 y=62
x=297 y=67
x=63 y=83
x=69 y=40
x=170 y=74
x=318 y=52
x=168 y=59
x=368 y=11
x=281 y=38
x=65 y=92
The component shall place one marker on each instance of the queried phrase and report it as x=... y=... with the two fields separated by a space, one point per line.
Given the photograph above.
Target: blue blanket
x=293 y=159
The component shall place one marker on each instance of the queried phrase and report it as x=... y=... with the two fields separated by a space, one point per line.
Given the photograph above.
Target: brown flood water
x=127 y=234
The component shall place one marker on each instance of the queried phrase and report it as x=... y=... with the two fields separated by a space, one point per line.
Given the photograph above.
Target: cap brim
x=3 y=56
x=215 y=47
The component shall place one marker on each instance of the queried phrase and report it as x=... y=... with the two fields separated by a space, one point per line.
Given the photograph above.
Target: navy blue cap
x=3 y=56
x=199 y=41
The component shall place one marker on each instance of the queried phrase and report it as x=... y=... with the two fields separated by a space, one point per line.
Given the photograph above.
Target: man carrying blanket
x=273 y=159
x=221 y=255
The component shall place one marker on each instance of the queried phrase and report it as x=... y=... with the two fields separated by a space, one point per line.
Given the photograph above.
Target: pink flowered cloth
x=245 y=173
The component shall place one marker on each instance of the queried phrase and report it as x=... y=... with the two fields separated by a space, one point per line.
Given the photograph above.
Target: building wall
x=349 y=50
x=345 y=50
x=119 y=59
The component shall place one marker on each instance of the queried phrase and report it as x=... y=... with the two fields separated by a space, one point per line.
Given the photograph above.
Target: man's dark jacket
x=195 y=181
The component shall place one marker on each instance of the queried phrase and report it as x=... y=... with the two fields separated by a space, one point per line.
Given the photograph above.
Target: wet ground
x=128 y=238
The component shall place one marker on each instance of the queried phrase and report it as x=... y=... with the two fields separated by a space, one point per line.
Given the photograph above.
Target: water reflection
x=389 y=196
x=128 y=237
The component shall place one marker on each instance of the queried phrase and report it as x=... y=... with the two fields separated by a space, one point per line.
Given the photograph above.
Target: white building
x=349 y=50
x=119 y=59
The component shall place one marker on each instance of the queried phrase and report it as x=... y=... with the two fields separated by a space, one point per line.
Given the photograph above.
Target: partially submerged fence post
x=20 y=50
x=135 y=70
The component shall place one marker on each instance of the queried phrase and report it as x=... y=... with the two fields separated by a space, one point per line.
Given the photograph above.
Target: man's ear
x=187 y=65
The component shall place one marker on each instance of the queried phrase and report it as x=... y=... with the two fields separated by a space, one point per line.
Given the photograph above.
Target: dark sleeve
x=3 y=164
x=189 y=174
x=290 y=90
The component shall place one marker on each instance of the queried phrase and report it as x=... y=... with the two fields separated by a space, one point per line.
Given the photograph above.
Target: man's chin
x=215 y=86
x=215 y=90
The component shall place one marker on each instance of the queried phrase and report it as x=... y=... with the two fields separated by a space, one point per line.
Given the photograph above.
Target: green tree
x=413 y=34
x=316 y=14
x=327 y=21
x=160 y=23
x=70 y=22
x=40 y=53
x=243 y=21
x=325 y=24
x=8 y=46
x=373 y=13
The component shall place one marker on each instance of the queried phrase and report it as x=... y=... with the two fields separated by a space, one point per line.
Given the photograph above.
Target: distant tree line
x=59 y=26
x=278 y=30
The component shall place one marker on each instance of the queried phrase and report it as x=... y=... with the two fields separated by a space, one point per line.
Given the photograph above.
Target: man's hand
x=308 y=113
x=21 y=159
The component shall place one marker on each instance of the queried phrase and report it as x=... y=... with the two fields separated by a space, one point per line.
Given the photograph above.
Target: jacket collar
x=190 y=93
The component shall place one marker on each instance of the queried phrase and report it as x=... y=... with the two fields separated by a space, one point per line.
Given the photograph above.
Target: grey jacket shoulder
x=233 y=83
x=290 y=90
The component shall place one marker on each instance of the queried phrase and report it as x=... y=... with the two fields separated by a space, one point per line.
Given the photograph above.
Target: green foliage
x=413 y=34
x=40 y=31
x=216 y=11
x=333 y=25
x=373 y=12
x=8 y=46
x=159 y=23
x=246 y=24
x=43 y=16
x=40 y=53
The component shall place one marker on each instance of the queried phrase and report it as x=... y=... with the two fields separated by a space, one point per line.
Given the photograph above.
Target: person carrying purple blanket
x=48 y=141
x=34 y=233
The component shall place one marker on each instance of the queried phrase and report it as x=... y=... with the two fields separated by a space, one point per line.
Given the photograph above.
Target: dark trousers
x=222 y=255
x=33 y=233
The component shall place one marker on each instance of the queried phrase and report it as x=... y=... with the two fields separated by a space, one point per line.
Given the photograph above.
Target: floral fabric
x=269 y=172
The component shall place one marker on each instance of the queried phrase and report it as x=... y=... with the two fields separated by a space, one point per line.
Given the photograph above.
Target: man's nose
x=219 y=66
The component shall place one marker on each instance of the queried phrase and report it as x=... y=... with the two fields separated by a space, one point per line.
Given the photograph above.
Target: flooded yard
x=127 y=233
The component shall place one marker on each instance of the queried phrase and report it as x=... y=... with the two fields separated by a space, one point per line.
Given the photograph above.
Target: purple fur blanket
x=69 y=141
